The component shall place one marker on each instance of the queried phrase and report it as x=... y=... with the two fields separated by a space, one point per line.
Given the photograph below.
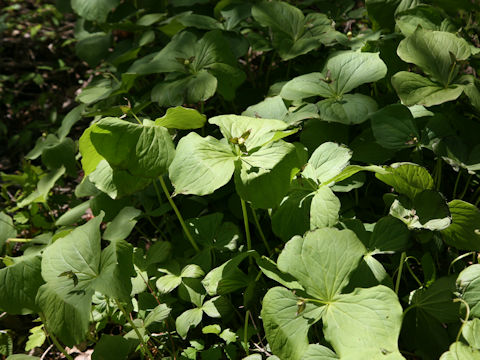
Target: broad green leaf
x=381 y=13
x=270 y=108
x=429 y=210
x=343 y=72
x=73 y=215
x=389 y=235
x=111 y=347
x=428 y=17
x=93 y=47
x=158 y=252
x=463 y=233
x=471 y=333
x=55 y=153
x=292 y=217
x=181 y=118
x=196 y=54
x=322 y=261
x=435 y=52
x=19 y=284
x=460 y=351
x=437 y=300
x=90 y=156
x=217 y=307
x=304 y=86
x=189 y=89
x=122 y=225
x=158 y=314
x=327 y=161
x=144 y=150
x=94 y=10
x=96 y=91
x=189 y=19
x=226 y=277
x=319 y=352
x=350 y=69
x=426 y=334
x=324 y=209
x=116 y=270
x=415 y=89
x=264 y=176
x=45 y=184
x=407 y=178
x=293 y=34
x=347 y=108
x=116 y=183
x=229 y=78
x=198 y=66
x=270 y=269
x=72 y=263
x=7 y=229
x=394 y=128
x=22 y=357
x=188 y=319
x=364 y=324
x=150 y=19
x=432 y=210
x=192 y=290
x=201 y=165
x=468 y=283
x=260 y=131
x=67 y=313
x=285 y=328
x=211 y=232
x=235 y=13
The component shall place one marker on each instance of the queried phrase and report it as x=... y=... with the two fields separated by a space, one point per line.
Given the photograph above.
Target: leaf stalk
x=179 y=215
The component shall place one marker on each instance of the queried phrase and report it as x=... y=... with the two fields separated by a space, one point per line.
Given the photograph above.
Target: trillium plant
x=253 y=180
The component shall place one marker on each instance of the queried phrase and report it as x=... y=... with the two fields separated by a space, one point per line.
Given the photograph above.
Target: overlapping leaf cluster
x=262 y=180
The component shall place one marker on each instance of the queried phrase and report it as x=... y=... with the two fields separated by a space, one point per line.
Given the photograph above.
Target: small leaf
x=182 y=118
x=188 y=319
x=160 y=313
x=463 y=233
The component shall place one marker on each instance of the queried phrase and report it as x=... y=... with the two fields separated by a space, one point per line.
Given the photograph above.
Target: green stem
x=400 y=269
x=17 y=240
x=245 y=333
x=407 y=310
x=413 y=274
x=467 y=316
x=179 y=216
x=259 y=228
x=456 y=184
x=459 y=258
x=466 y=187
x=315 y=301
x=135 y=116
x=451 y=73
x=247 y=229
x=438 y=174
x=140 y=337
x=54 y=339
